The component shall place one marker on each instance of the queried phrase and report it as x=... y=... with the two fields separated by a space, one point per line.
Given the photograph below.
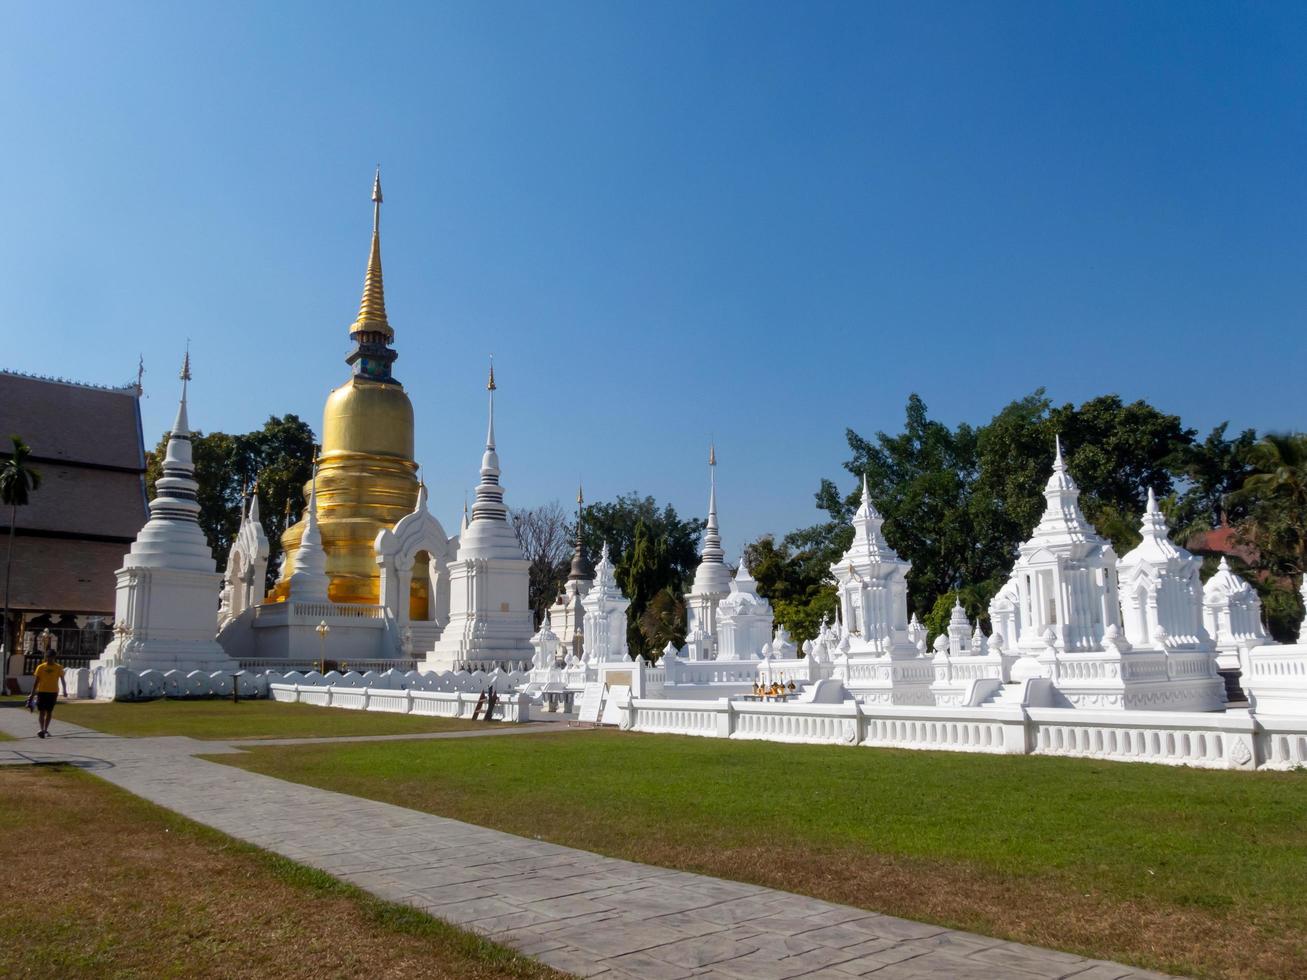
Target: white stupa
x=744 y=619
x=1160 y=591
x=1065 y=575
x=168 y=587
x=567 y=615
x=712 y=579
x=1232 y=616
x=605 y=616
x=308 y=583
x=490 y=621
x=877 y=658
x=244 y=581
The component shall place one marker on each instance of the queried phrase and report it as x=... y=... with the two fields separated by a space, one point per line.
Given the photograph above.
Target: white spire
x=712 y=576
x=489 y=502
x=1062 y=520
x=309 y=581
x=712 y=542
x=868 y=539
x=172 y=538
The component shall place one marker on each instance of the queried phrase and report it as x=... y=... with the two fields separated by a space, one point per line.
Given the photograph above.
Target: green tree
x=1275 y=495
x=794 y=576
x=1214 y=470
x=17 y=482
x=664 y=621
x=278 y=456
x=652 y=549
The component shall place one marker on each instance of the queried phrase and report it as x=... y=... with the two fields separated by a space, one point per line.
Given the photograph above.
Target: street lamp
x=322 y=630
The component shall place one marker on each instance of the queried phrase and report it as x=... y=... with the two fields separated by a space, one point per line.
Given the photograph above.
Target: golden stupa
x=367 y=479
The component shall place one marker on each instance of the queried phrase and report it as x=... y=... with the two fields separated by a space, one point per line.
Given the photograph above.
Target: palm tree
x=1277 y=491
x=16 y=482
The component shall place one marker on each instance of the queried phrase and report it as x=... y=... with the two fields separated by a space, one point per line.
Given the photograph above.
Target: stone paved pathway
x=577 y=911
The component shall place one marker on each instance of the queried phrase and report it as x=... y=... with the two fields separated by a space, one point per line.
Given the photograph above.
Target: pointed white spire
x=712 y=577
x=1062 y=520
x=868 y=539
x=308 y=583
x=172 y=537
x=253 y=513
x=489 y=501
x=712 y=542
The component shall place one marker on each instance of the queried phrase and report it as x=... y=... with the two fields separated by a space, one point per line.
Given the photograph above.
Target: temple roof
x=87 y=445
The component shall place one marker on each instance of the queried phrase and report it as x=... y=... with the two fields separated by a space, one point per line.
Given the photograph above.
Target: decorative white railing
x=443 y=704
x=1217 y=740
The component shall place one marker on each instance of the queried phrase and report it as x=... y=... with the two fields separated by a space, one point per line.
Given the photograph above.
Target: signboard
x=592 y=700
x=617 y=696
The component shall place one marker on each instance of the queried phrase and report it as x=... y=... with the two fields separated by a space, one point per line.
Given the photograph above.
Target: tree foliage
x=653 y=550
x=279 y=456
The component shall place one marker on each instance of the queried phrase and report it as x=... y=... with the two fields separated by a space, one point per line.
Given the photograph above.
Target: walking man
x=49 y=678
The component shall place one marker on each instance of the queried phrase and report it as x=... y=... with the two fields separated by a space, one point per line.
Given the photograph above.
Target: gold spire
x=372 y=310
x=490 y=385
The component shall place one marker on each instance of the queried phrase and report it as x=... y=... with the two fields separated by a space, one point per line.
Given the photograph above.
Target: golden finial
x=580 y=496
x=372 y=309
x=490 y=385
x=186 y=364
x=712 y=454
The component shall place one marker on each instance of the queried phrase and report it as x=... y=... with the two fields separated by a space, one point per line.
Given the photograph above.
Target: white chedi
x=168 y=586
x=744 y=618
x=1160 y=590
x=1064 y=578
x=244 y=581
x=712 y=579
x=490 y=619
x=605 y=616
x=1232 y=616
x=876 y=658
x=309 y=581
x=545 y=643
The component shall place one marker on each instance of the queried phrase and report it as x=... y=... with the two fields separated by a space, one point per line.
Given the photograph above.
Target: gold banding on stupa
x=367 y=479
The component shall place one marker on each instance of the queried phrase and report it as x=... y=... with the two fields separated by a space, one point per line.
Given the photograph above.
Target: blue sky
x=669 y=222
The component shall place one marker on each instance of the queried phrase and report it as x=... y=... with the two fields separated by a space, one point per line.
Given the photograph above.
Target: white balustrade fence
x=1212 y=740
x=438 y=704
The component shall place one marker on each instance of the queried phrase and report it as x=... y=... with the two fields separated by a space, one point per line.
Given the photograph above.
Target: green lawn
x=219 y=719
x=124 y=888
x=1183 y=870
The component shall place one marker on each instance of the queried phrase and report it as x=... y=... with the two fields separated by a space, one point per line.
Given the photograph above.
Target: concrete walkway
x=580 y=912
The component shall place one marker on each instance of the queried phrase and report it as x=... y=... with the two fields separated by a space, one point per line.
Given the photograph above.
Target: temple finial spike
x=1152 y=501
x=372 y=308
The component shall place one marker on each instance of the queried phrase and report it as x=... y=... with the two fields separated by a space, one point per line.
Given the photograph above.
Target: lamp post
x=322 y=630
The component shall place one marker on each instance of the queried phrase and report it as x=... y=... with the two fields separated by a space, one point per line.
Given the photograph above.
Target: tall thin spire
x=490 y=387
x=489 y=502
x=372 y=309
x=712 y=551
x=181 y=425
x=581 y=570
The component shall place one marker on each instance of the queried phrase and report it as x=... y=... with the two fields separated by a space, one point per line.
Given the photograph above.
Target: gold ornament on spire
x=490 y=385
x=372 y=309
x=186 y=364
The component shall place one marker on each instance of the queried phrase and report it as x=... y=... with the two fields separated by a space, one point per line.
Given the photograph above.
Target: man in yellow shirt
x=49 y=678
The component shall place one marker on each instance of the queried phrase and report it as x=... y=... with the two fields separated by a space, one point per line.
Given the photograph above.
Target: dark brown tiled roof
x=71 y=422
x=63 y=575
x=77 y=500
x=72 y=535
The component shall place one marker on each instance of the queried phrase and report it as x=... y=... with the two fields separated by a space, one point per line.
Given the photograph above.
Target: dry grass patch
x=1187 y=871
x=224 y=720
x=105 y=884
